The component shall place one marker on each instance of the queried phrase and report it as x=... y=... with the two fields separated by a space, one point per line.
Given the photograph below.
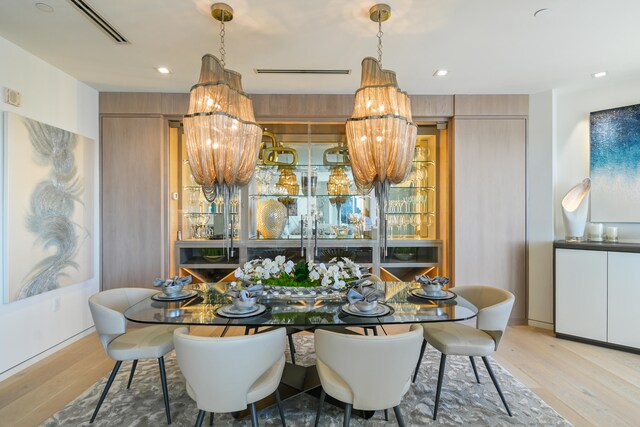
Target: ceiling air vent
x=102 y=23
x=291 y=71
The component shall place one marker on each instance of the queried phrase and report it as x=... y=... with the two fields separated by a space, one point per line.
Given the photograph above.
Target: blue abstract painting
x=615 y=165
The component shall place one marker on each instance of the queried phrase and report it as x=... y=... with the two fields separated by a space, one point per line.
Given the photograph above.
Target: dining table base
x=296 y=380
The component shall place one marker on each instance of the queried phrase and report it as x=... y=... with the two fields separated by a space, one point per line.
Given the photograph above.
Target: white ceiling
x=489 y=46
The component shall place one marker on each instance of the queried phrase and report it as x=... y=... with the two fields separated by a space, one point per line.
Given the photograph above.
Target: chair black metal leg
x=106 y=389
x=246 y=330
x=424 y=346
x=320 y=403
x=375 y=331
x=485 y=359
x=366 y=331
x=200 y=419
x=280 y=409
x=165 y=390
x=443 y=361
x=386 y=415
x=292 y=349
x=133 y=370
x=254 y=415
x=210 y=419
x=396 y=410
x=347 y=414
x=475 y=370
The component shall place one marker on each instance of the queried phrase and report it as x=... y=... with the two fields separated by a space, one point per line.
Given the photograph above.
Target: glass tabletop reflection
x=324 y=310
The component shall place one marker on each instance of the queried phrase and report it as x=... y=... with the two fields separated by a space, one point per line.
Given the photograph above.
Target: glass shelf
x=411 y=213
x=303 y=196
x=322 y=165
x=207 y=213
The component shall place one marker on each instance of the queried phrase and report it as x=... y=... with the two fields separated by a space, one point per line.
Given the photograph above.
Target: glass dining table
x=403 y=303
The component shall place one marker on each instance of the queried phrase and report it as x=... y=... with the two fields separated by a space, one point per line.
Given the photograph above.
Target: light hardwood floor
x=590 y=386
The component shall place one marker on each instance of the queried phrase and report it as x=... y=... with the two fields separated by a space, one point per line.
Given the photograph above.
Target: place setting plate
x=183 y=294
x=439 y=296
x=380 y=310
x=233 y=312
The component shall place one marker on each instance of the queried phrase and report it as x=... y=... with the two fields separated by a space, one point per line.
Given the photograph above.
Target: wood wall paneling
x=274 y=106
x=130 y=103
x=133 y=245
x=429 y=106
x=175 y=104
x=268 y=106
x=491 y=105
x=277 y=106
x=489 y=225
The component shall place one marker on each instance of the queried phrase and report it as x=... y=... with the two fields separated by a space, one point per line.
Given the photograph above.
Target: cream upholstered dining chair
x=292 y=330
x=452 y=338
x=121 y=344
x=225 y=374
x=366 y=372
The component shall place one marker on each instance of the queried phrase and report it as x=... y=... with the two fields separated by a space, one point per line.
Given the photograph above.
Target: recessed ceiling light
x=441 y=73
x=163 y=70
x=599 y=74
x=43 y=7
x=541 y=12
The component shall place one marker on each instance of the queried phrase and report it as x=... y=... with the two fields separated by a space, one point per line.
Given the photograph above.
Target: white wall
x=558 y=158
x=540 y=178
x=572 y=135
x=34 y=325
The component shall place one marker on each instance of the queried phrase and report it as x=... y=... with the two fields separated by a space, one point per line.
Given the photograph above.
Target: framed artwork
x=48 y=177
x=615 y=165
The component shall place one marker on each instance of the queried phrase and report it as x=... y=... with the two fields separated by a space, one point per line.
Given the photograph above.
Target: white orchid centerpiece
x=280 y=272
x=335 y=273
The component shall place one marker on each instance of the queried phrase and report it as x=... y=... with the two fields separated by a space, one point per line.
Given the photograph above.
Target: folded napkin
x=172 y=281
x=364 y=294
x=246 y=293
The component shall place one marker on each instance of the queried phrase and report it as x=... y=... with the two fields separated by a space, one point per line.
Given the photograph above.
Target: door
x=489 y=195
x=133 y=232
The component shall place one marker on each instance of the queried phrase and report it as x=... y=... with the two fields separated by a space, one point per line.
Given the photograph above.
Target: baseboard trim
x=598 y=343
x=48 y=352
x=542 y=325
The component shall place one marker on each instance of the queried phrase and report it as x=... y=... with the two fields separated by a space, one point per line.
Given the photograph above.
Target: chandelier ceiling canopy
x=380 y=133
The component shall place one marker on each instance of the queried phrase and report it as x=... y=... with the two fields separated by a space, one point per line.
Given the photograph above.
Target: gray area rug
x=462 y=402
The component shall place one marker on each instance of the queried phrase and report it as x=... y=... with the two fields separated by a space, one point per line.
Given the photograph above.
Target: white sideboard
x=597 y=293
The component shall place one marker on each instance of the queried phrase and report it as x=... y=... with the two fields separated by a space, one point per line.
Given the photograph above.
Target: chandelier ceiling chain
x=380 y=34
x=222 y=51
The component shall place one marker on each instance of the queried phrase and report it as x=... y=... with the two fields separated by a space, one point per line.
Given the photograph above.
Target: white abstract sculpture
x=574 y=210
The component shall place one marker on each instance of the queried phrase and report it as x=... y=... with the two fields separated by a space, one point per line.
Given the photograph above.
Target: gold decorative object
x=222 y=137
x=287 y=183
x=380 y=133
x=338 y=187
x=269 y=155
x=272 y=217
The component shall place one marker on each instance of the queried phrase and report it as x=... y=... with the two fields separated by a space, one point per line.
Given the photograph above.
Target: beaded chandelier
x=222 y=137
x=380 y=134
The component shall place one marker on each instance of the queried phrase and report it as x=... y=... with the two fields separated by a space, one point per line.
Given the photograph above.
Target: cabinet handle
x=315 y=238
x=386 y=231
x=302 y=237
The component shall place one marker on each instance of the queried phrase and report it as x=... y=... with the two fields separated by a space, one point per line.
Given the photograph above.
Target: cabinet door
x=489 y=181
x=624 y=294
x=581 y=293
x=133 y=238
